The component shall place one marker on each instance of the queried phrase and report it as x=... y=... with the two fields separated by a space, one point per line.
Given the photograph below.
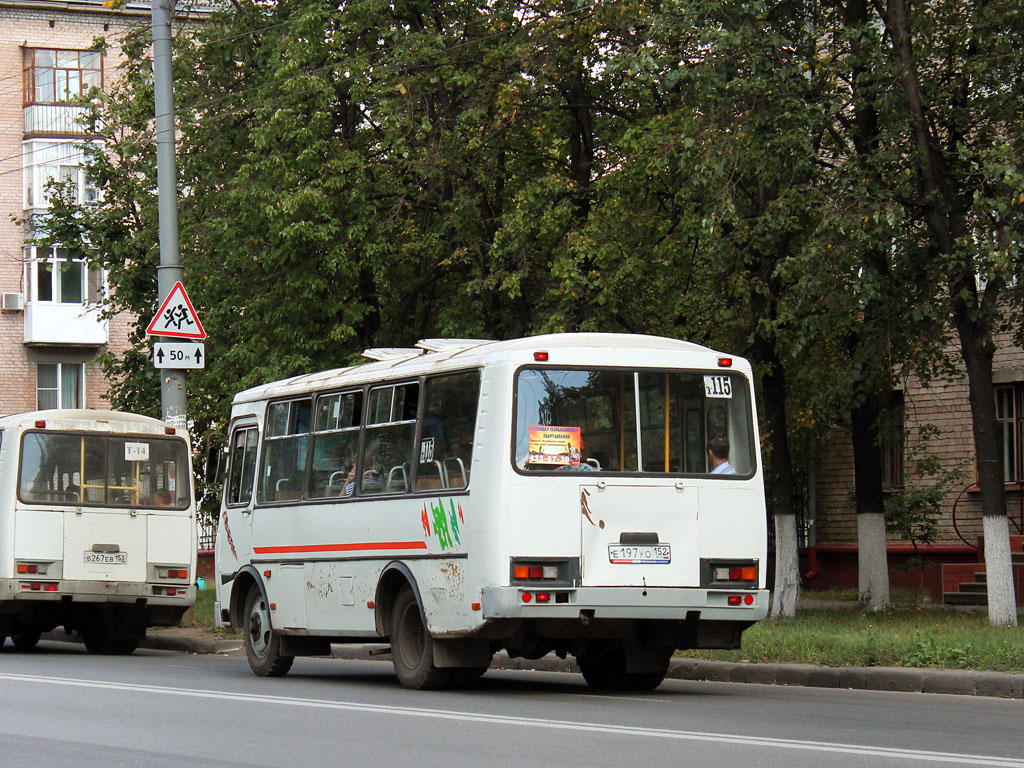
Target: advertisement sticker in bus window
x=717 y=386
x=554 y=445
x=136 y=451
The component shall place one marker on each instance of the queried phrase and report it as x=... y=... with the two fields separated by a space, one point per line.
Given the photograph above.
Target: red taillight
x=536 y=572
x=49 y=587
x=35 y=587
x=543 y=597
x=540 y=357
x=734 y=599
x=725 y=362
x=527 y=597
x=177 y=574
x=738 y=573
x=748 y=599
x=40 y=425
x=28 y=568
x=168 y=430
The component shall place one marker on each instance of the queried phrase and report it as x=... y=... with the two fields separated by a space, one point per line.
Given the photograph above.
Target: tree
x=960 y=72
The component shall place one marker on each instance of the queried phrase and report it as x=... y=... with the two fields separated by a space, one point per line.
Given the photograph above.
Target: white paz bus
x=97 y=527
x=547 y=494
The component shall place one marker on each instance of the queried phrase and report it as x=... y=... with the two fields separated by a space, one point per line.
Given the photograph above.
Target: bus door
x=634 y=535
x=236 y=517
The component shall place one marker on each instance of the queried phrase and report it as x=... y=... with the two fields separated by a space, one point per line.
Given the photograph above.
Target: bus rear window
x=103 y=470
x=675 y=422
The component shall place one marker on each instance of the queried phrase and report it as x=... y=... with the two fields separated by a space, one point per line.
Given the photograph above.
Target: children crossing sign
x=177 y=317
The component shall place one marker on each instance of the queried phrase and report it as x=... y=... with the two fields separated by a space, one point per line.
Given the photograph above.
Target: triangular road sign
x=177 y=317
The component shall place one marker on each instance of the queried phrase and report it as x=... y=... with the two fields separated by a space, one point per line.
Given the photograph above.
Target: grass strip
x=914 y=637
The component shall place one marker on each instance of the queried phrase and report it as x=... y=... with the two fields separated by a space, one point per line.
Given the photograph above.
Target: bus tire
x=606 y=671
x=26 y=639
x=262 y=643
x=412 y=649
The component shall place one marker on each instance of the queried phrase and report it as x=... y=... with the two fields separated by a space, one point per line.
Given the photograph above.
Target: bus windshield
x=613 y=420
x=103 y=470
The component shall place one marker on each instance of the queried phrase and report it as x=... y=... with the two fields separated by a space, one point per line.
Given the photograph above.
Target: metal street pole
x=172 y=382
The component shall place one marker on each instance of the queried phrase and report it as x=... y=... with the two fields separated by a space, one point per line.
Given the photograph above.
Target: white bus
x=97 y=527
x=546 y=494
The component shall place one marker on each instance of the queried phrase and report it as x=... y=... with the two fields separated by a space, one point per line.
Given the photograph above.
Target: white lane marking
x=529 y=722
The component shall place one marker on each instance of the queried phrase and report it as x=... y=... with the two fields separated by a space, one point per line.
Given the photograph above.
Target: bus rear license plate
x=660 y=554
x=107 y=558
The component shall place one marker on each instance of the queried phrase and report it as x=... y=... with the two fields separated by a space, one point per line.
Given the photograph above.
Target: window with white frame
x=54 y=76
x=60 y=385
x=1009 y=414
x=55 y=278
x=59 y=161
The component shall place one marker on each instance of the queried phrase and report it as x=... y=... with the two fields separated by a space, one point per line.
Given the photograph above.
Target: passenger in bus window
x=350 y=481
x=162 y=498
x=718 y=455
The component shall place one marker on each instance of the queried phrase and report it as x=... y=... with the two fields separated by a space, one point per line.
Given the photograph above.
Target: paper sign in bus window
x=136 y=451
x=558 y=446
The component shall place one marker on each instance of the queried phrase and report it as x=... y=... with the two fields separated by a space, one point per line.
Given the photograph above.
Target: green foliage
x=738 y=174
x=913 y=512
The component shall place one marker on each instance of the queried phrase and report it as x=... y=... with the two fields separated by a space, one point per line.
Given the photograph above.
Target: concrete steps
x=965 y=584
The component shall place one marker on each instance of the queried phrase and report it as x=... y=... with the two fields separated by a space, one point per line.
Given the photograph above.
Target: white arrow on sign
x=180 y=355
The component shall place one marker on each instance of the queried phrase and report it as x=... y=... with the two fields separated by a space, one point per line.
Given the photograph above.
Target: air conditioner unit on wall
x=13 y=302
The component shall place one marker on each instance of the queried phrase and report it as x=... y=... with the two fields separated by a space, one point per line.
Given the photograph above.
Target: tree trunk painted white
x=872 y=563
x=787 y=567
x=1002 y=607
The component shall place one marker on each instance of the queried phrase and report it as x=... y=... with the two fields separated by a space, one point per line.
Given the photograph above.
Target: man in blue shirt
x=718 y=456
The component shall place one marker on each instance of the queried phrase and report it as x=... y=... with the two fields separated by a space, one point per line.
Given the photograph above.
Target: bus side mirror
x=214 y=450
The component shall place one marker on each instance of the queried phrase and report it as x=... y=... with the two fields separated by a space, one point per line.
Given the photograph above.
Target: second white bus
x=553 y=494
x=97 y=527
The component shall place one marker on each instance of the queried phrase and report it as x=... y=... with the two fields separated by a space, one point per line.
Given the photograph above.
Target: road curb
x=910 y=680
x=958 y=682
x=163 y=641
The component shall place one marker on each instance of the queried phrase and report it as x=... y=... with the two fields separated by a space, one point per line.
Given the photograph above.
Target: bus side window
x=243 y=465
x=390 y=430
x=285 y=446
x=449 y=424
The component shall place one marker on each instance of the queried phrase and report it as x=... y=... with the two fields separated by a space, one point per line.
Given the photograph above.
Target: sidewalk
x=912 y=680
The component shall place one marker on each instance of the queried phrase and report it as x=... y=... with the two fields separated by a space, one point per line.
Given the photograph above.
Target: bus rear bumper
x=590 y=603
x=57 y=590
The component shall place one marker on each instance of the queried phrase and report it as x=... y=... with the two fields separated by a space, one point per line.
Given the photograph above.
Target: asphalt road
x=60 y=706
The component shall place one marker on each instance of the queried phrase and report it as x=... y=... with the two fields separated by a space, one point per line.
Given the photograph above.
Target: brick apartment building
x=51 y=329
x=942 y=409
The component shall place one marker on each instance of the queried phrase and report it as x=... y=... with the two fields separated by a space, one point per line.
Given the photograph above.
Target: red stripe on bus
x=341 y=547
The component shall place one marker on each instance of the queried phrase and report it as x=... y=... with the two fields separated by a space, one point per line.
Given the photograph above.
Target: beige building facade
x=933 y=419
x=51 y=325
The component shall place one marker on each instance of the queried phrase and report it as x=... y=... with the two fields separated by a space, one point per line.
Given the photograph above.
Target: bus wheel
x=98 y=641
x=262 y=643
x=607 y=672
x=412 y=650
x=26 y=639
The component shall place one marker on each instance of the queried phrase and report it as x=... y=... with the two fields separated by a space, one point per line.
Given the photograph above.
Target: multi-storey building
x=928 y=420
x=51 y=326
